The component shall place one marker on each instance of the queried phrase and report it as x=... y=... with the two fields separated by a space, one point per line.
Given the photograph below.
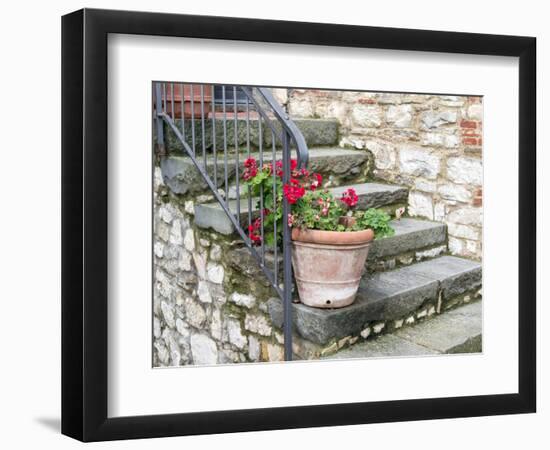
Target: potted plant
x=330 y=239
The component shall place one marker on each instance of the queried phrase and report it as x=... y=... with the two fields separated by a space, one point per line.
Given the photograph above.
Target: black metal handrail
x=276 y=136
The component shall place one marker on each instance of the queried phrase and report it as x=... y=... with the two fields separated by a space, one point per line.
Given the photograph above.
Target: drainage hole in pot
x=328 y=302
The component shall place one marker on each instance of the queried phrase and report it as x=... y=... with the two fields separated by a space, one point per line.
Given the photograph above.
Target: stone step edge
x=446 y=296
x=470 y=340
x=211 y=215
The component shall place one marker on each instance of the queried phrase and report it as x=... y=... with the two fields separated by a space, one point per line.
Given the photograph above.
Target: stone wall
x=429 y=143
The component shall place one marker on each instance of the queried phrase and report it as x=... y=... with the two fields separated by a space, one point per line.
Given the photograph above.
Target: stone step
x=317 y=133
x=386 y=296
x=456 y=331
x=337 y=165
x=211 y=215
x=414 y=239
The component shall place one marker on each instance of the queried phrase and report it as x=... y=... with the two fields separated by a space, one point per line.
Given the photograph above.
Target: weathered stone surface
x=435 y=119
x=455 y=275
x=384 y=154
x=215 y=272
x=456 y=331
x=258 y=324
x=248 y=301
x=371 y=195
x=365 y=115
x=384 y=296
x=203 y=349
x=455 y=192
x=400 y=116
x=410 y=234
x=234 y=333
x=464 y=170
x=421 y=205
x=382 y=347
x=419 y=162
x=317 y=132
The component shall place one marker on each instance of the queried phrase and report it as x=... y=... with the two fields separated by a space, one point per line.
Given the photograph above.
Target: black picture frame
x=84 y=224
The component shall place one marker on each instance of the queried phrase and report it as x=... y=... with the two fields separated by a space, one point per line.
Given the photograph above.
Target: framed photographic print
x=273 y=224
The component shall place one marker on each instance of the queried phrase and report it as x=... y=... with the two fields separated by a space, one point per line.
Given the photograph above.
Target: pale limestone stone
x=245 y=300
x=339 y=111
x=440 y=211
x=216 y=324
x=275 y=352
x=203 y=292
x=418 y=162
x=159 y=249
x=398 y=323
x=472 y=246
x=162 y=230
x=462 y=231
x=168 y=314
x=189 y=240
x=343 y=341
x=464 y=170
x=378 y=327
x=189 y=207
x=456 y=246
x=422 y=313
x=234 y=333
x=455 y=192
x=400 y=116
x=181 y=327
x=200 y=264
x=204 y=242
x=162 y=352
x=352 y=142
x=475 y=112
x=330 y=349
x=366 y=116
x=451 y=100
x=384 y=154
x=430 y=253
x=184 y=262
x=279 y=338
x=156 y=327
x=195 y=313
x=281 y=95
x=203 y=349
x=215 y=273
x=435 y=119
x=431 y=311
x=165 y=213
x=365 y=333
x=409 y=320
x=176 y=237
x=253 y=348
x=425 y=186
x=301 y=107
x=258 y=324
x=440 y=140
x=215 y=252
x=467 y=216
x=421 y=205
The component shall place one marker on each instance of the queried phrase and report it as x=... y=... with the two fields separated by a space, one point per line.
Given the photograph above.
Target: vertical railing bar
x=235 y=132
x=202 y=127
x=192 y=118
x=248 y=156
x=225 y=142
x=214 y=138
x=274 y=209
x=287 y=249
x=172 y=112
x=182 y=89
x=158 y=120
x=261 y=189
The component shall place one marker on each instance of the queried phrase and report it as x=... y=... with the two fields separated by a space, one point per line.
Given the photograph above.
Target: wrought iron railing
x=219 y=127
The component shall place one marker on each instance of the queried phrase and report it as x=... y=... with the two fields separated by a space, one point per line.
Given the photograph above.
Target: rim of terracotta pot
x=332 y=237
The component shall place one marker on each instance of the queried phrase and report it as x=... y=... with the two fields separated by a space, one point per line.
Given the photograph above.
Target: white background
x=135 y=389
x=30 y=189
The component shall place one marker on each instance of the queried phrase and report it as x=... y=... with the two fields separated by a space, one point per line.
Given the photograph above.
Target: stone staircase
x=409 y=277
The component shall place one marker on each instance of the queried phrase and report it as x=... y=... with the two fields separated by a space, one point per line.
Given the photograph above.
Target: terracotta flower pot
x=328 y=265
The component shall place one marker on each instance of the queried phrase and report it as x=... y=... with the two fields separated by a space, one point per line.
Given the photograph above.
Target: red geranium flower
x=293 y=193
x=350 y=198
